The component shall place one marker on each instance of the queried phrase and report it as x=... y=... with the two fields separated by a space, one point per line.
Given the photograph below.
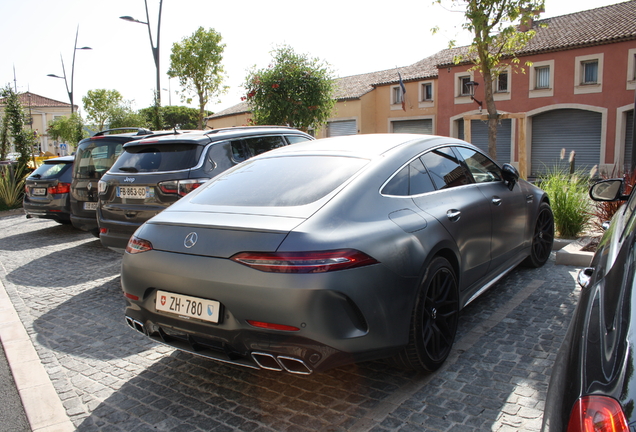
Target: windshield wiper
x=129 y=169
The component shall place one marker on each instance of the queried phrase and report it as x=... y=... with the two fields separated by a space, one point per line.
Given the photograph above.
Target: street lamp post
x=70 y=90
x=155 y=48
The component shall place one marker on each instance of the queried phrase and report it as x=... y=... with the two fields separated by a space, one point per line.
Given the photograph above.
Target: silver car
x=334 y=251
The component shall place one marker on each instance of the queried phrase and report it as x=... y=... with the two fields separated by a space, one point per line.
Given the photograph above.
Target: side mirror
x=608 y=190
x=510 y=175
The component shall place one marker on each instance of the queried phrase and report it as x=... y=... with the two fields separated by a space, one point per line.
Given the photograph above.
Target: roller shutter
x=479 y=137
x=413 y=126
x=340 y=128
x=629 y=133
x=568 y=129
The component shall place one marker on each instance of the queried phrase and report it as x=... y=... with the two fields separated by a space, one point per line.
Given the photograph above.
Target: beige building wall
x=41 y=117
x=240 y=119
x=385 y=111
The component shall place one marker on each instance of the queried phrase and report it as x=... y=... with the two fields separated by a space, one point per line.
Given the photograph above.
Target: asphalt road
x=65 y=289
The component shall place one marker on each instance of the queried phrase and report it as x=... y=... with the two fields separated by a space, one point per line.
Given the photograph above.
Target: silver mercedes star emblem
x=190 y=240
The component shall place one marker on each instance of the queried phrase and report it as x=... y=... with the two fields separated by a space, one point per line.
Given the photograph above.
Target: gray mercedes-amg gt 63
x=334 y=251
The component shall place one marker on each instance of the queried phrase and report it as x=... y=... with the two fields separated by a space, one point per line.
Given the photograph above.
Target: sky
x=353 y=37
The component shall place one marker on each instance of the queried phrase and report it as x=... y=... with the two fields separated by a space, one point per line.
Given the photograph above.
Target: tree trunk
x=492 y=115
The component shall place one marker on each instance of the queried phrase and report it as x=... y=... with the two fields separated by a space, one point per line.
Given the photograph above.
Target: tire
x=542 y=238
x=434 y=320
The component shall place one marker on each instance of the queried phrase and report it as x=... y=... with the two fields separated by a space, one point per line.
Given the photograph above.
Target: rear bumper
x=84 y=223
x=342 y=317
x=115 y=236
x=43 y=213
x=55 y=208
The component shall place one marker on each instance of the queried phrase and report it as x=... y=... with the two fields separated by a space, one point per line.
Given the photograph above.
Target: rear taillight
x=180 y=187
x=597 y=414
x=137 y=245
x=101 y=186
x=60 y=188
x=304 y=262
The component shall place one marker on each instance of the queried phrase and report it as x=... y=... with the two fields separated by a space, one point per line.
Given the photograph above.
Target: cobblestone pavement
x=65 y=289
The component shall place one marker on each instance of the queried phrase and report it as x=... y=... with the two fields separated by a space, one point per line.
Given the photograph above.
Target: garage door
x=413 y=126
x=340 y=128
x=568 y=129
x=479 y=137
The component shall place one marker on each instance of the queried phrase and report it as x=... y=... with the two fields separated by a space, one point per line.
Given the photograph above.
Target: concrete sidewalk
x=37 y=395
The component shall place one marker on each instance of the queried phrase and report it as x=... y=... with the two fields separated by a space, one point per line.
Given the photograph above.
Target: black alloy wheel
x=434 y=322
x=543 y=237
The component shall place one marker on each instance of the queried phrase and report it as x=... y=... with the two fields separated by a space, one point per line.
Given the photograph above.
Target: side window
x=413 y=179
x=445 y=168
x=239 y=151
x=258 y=145
x=294 y=139
x=483 y=169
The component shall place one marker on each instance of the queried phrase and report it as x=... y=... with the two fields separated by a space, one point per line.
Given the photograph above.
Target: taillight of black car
x=180 y=187
x=597 y=413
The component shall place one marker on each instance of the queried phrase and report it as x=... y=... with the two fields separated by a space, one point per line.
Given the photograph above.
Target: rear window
x=280 y=182
x=50 y=170
x=93 y=160
x=158 y=158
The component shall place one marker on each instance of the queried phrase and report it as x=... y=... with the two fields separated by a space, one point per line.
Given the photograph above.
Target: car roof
x=121 y=136
x=205 y=137
x=62 y=159
x=364 y=145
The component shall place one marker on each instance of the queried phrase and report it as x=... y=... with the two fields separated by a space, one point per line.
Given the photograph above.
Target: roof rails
x=234 y=128
x=140 y=131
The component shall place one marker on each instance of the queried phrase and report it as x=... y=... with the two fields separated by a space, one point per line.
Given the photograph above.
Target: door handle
x=453 y=215
x=496 y=201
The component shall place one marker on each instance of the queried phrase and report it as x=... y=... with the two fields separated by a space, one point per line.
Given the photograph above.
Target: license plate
x=38 y=191
x=90 y=205
x=193 y=307
x=135 y=192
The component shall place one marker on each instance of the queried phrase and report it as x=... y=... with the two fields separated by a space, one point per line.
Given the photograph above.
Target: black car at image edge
x=593 y=381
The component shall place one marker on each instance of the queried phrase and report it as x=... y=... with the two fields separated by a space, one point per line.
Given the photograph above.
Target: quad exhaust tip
x=135 y=325
x=281 y=363
x=263 y=360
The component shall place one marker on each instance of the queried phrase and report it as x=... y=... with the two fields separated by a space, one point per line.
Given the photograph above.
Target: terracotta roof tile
x=34 y=100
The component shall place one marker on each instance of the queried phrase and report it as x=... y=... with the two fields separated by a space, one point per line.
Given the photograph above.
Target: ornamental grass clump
x=568 y=193
x=11 y=186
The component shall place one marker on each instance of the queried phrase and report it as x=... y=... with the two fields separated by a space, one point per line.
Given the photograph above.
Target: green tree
x=4 y=137
x=294 y=90
x=125 y=116
x=196 y=62
x=67 y=129
x=174 y=117
x=23 y=139
x=100 y=105
x=497 y=37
